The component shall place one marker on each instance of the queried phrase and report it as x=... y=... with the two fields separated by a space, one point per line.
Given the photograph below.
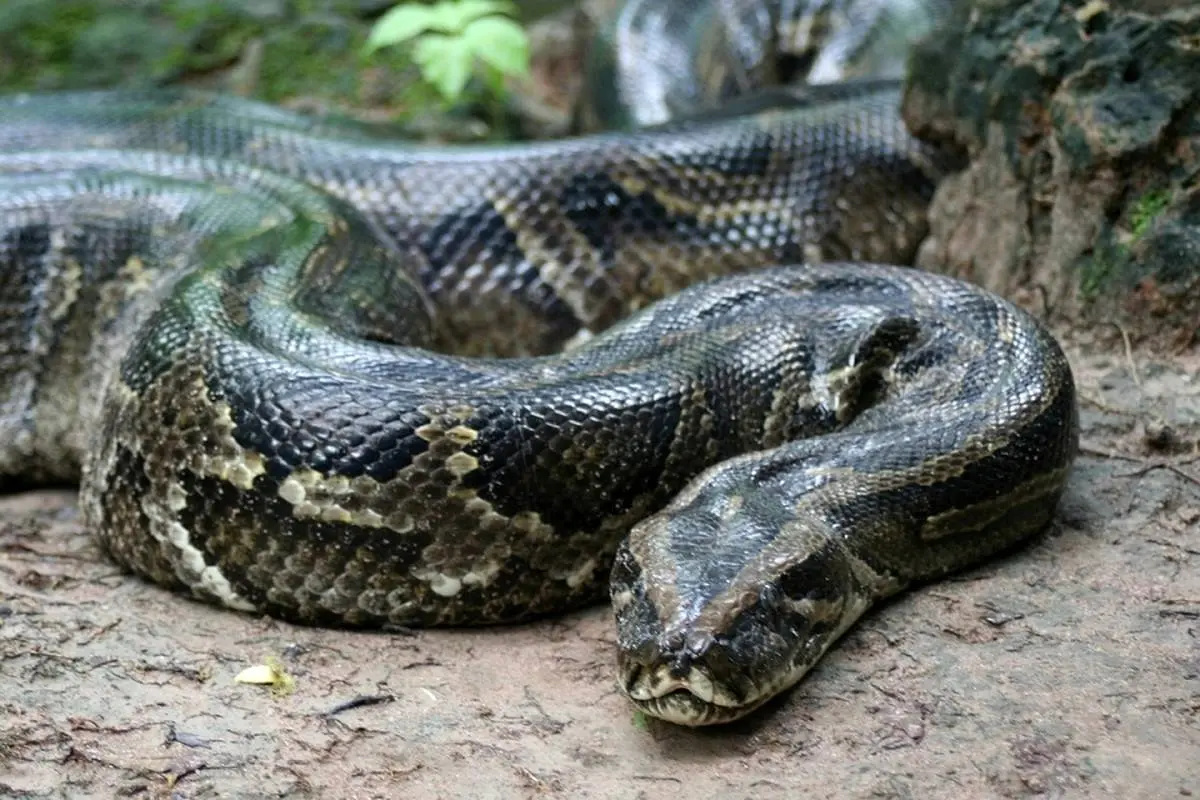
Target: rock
x=1082 y=124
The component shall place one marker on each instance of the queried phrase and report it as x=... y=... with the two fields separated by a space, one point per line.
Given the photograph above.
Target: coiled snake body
x=235 y=322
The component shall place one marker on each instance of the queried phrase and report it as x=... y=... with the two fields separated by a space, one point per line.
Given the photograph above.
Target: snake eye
x=779 y=613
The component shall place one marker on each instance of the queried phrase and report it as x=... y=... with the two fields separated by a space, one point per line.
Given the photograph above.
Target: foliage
x=274 y=50
x=454 y=39
x=1112 y=256
x=1147 y=207
x=96 y=43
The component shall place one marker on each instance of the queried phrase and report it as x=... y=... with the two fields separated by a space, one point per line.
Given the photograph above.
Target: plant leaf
x=445 y=62
x=400 y=24
x=500 y=43
x=454 y=17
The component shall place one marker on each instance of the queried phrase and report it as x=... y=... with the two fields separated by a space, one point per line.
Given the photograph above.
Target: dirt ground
x=1071 y=669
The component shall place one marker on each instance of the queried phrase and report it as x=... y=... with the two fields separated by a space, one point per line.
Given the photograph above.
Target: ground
x=1069 y=669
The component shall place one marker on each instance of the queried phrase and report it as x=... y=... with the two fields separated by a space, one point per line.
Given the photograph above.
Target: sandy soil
x=1071 y=669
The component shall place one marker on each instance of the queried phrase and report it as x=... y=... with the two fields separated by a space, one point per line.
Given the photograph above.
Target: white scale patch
x=233 y=463
x=461 y=463
x=442 y=584
x=446 y=585
x=189 y=560
x=292 y=491
x=312 y=496
x=176 y=497
x=206 y=576
x=482 y=576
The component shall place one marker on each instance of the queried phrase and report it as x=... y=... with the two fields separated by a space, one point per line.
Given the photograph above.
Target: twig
x=1148 y=465
x=1047 y=309
x=1165 y=543
x=1100 y=404
x=1137 y=378
x=359 y=702
x=1102 y=453
x=1160 y=465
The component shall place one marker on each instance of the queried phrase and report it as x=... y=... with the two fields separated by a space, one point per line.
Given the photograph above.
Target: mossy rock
x=1082 y=123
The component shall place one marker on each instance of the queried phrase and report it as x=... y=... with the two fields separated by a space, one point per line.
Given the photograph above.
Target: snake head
x=718 y=609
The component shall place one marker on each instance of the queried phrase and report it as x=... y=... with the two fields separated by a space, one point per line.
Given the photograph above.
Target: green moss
x=1107 y=261
x=1145 y=209
x=1112 y=258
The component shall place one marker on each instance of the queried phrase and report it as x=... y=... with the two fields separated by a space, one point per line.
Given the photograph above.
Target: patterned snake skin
x=307 y=371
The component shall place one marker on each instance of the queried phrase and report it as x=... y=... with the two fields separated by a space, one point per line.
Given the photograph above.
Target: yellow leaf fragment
x=270 y=674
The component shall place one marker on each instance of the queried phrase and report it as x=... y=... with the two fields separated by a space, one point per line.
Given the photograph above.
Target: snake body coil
x=233 y=321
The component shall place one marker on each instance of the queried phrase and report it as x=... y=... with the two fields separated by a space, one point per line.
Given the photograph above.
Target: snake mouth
x=682 y=707
x=693 y=700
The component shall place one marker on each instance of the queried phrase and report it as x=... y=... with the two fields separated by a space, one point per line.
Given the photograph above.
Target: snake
x=302 y=368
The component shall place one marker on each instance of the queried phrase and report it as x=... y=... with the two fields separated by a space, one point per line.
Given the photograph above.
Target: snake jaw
x=684 y=708
x=688 y=680
x=692 y=700
x=760 y=621
x=659 y=682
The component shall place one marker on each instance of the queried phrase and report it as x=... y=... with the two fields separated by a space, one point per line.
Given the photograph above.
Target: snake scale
x=304 y=370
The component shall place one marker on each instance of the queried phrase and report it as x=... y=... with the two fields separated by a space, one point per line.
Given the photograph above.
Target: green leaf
x=409 y=20
x=401 y=24
x=445 y=62
x=500 y=43
x=454 y=17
